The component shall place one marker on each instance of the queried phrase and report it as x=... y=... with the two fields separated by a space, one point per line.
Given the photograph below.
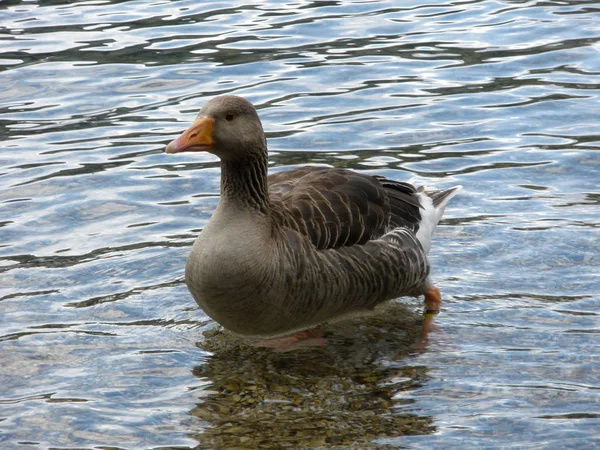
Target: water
x=102 y=346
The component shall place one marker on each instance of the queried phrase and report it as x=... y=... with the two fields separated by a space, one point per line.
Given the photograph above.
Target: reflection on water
x=338 y=396
x=99 y=337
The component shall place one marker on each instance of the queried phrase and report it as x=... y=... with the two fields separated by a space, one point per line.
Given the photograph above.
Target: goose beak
x=197 y=138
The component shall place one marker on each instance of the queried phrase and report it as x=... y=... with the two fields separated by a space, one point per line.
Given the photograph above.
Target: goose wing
x=339 y=207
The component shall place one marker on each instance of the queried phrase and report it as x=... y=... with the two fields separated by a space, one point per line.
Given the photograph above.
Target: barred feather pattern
x=339 y=207
x=333 y=283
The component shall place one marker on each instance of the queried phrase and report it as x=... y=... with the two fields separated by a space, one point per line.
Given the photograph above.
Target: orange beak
x=197 y=138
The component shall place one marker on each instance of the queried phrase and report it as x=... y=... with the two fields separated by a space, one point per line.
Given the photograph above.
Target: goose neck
x=244 y=181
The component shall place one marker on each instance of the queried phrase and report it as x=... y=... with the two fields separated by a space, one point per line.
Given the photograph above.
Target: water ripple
x=98 y=335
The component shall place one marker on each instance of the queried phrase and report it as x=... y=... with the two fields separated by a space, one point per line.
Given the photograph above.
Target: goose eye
x=229 y=117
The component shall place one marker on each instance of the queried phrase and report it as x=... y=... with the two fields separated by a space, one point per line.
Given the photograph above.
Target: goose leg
x=433 y=303
x=304 y=339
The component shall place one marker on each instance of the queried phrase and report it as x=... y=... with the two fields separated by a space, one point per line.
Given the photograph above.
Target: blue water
x=100 y=342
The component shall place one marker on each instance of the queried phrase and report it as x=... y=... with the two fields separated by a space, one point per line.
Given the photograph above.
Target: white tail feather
x=431 y=215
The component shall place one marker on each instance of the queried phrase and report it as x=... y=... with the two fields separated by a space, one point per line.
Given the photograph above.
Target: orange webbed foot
x=304 y=339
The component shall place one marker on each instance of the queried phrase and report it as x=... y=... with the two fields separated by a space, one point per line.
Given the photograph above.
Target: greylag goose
x=286 y=253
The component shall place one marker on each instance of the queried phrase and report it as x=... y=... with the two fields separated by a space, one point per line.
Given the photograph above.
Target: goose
x=283 y=254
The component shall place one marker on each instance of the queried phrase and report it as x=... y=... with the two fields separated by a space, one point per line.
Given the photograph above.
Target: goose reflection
x=335 y=396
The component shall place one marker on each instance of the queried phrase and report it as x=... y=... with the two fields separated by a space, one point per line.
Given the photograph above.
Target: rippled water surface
x=101 y=346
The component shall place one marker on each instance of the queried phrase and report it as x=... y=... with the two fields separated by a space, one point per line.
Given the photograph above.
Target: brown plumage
x=296 y=249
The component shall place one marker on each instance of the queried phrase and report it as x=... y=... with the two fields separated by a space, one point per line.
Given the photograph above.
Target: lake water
x=101 y=345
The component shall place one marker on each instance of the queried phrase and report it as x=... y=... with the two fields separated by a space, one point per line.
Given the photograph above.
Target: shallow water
x=103 y=347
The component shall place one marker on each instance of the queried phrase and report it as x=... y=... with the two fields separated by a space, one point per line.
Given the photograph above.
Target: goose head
x=227 y=126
